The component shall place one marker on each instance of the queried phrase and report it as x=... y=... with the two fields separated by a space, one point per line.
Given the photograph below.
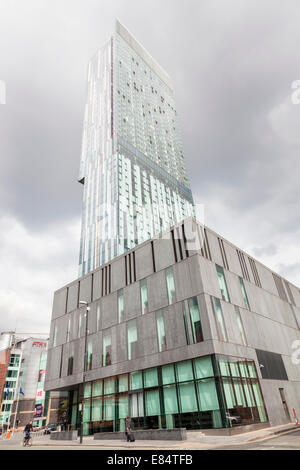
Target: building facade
x=23 y=395
x=184 y=330
x=132 y=162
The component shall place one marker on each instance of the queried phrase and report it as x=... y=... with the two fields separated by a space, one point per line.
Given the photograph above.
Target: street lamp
x=82 y=302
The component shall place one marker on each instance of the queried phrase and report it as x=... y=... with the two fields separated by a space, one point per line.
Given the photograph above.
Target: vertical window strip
x=61 y=360
x=280 y=288
x=254 y=272
x=219 y=319
x=134 y=268
x=244 y=293
x=290 y=294
x=105 y=280
x=185 y=242
x=207 y=244
x=132 y=339
x=109 y=278
x=223 y=254
x=240 y=326
x=179 y=243
x=222 y=283
x=153 y=256
x=161 y=333
x=195 y=320
x=126 y=277
x=186 y=327
x=102 y=282
x=174 y=246
x=170 y=285
x=67 y=295
x=129 y=267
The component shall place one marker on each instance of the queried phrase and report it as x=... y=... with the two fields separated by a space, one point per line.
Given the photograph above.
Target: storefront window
x=187 y=396
x=150 y=378
x=152 y=403
x=203 y=367
x=123 y=383
x=136 y=380
x=97 y=388
x=168 y=374
x=184 y=371
x=109 y=386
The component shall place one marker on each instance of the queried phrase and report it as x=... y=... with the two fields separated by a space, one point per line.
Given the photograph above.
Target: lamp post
x=81 y=302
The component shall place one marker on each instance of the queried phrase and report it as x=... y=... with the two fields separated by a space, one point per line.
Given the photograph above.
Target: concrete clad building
x=177 y=330
x=185 y=330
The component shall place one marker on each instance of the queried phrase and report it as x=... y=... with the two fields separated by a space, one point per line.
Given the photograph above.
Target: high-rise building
x=132 y=163
x=183 y=329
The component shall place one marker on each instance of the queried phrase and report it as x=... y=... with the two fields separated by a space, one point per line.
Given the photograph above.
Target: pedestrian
x=127 y=428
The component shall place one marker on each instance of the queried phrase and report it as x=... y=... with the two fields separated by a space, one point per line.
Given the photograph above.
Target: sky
x=232 y=64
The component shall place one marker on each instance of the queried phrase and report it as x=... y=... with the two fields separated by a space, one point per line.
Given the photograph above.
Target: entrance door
x=284 y=403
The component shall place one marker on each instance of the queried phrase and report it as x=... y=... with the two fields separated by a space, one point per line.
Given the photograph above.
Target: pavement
x=276 y=436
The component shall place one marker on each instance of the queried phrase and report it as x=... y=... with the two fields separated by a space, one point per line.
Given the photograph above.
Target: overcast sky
x=232 y=63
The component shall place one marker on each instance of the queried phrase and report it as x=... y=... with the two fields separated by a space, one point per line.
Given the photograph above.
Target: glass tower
x=132 y=163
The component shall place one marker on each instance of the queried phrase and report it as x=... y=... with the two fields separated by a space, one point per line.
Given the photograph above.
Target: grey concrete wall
x=271 y=324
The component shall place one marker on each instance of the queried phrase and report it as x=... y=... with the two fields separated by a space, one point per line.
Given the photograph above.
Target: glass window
x=161 y=333
x=70 y=365
x=132 y=339
x=109 y=386
x=187 y=395
x=97 y=409
x=203 y=367
x=222 y=283
x=97 y=388
x=152 y=403
x=184 y=371
x=120 y=305
x=144 y=296
x=185 y=321
x=170 y=285
x=252 y=369
x=168 y=375
x=216 y=306
x=136 y=380
x=240 y=326
x=109 y=408
x=123 y=383
x=259 y=401
x=90 y=355
x=87 y=389
x=150 y=378
x=244 y=293
x=106 y=355
x=123 y=405
x=170 y=399
x=207 y=395
x=195 y=320
x=224 y=367
x=98 y=316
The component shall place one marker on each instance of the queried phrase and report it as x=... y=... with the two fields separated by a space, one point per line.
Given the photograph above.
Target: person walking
x=127 y=428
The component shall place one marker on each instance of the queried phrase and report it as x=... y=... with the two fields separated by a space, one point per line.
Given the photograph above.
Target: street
x=289 y=440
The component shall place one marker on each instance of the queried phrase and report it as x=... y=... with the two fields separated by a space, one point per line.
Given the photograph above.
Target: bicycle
x=27 y=441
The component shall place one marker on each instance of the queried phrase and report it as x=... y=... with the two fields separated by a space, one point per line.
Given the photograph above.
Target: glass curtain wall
x=202 y=393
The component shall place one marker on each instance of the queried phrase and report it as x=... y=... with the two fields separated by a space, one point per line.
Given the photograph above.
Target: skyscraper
x=132 y=162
